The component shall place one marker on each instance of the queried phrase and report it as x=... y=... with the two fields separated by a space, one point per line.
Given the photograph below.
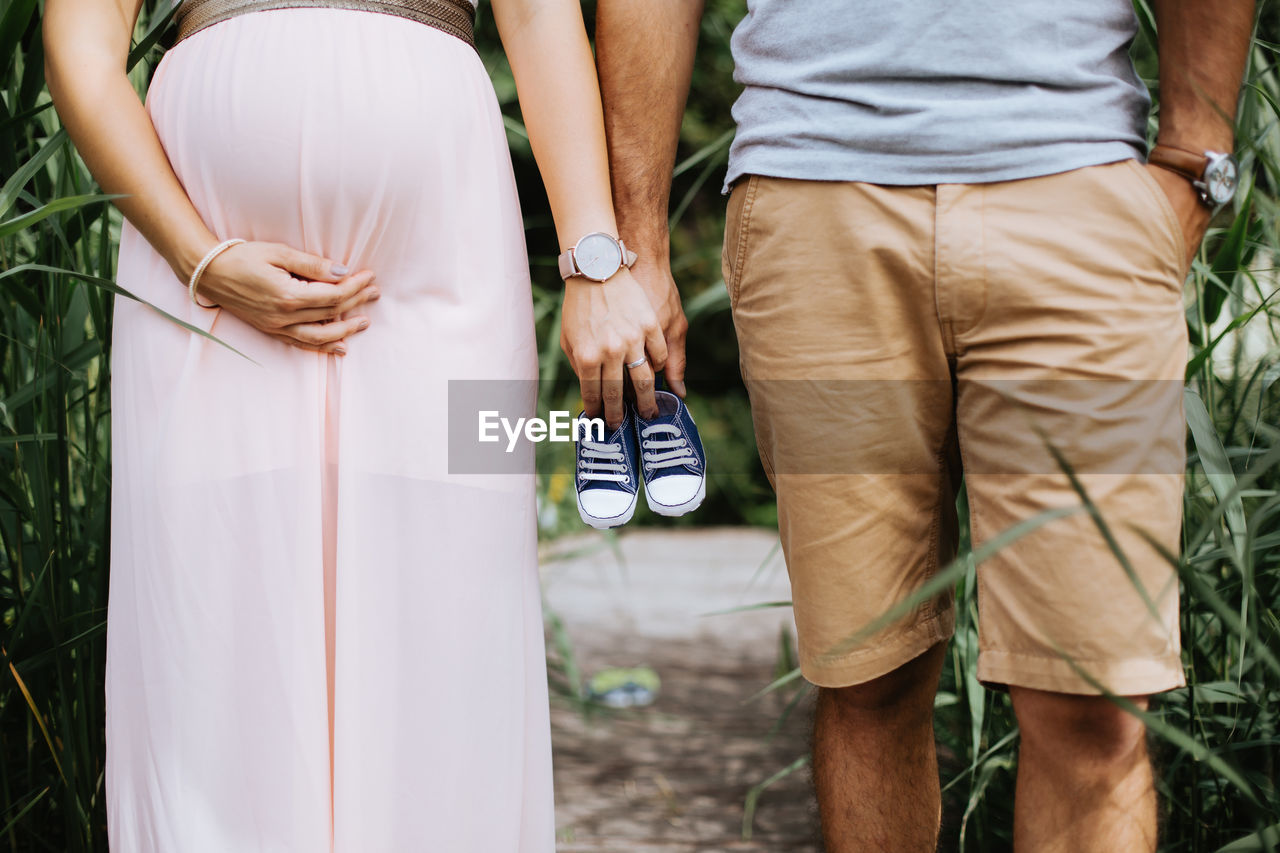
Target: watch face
x=598 y=256
x=1220 y=180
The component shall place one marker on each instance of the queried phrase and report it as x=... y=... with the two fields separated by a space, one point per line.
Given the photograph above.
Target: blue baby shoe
x=672 y=462
x=607 y=477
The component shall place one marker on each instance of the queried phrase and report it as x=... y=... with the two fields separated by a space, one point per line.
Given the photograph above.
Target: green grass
x=1216 y=740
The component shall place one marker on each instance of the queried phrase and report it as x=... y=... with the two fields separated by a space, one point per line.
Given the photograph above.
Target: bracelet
x=204 y=264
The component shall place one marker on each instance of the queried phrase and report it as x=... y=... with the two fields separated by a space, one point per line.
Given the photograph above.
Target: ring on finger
x=632 y=365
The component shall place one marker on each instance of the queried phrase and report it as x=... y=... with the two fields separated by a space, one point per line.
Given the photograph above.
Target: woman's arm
x=604 y=325
x=86 y=52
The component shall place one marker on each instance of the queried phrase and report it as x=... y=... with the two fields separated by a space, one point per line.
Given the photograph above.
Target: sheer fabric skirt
x=318 y=638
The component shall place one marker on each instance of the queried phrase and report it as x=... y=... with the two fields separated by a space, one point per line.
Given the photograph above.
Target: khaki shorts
x=1028 y=334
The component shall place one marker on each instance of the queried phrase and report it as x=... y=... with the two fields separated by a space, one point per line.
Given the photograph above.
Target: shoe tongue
x=618 y=434
x=608 y=436
x=668 y=413
x=668 y=407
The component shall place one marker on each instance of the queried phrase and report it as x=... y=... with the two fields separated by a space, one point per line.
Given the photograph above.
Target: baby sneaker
x=606 y=479
x=672 y=463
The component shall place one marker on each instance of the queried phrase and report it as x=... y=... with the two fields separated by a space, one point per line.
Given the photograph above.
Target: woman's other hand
x=295 y=297
x=605 y=327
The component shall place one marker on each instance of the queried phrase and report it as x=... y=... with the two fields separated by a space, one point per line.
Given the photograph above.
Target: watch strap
x=1186 y=163
x=568 y=269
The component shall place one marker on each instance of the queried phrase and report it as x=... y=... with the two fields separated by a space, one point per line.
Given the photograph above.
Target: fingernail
x=338 y=269
x=364 y=324
x=375 y=293
x=340 y=350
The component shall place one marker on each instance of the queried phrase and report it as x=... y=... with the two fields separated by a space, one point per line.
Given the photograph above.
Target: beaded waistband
x=455 y=17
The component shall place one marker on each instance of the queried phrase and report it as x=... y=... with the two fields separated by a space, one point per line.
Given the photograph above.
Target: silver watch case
x=597 y=256
x=1221 y=177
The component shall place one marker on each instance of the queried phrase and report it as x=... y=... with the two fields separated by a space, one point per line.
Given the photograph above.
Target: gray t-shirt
x=934 y=91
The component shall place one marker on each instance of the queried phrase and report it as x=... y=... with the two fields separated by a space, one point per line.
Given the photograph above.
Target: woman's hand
x=604 y=327
x=292 y=296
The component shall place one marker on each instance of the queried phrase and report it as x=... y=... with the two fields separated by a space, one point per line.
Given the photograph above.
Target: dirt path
x=674 y=776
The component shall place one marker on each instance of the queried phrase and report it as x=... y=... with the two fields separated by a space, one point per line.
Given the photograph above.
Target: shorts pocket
x=737 y=230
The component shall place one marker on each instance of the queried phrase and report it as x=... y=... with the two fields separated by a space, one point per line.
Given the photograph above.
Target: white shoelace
x=664 y=454
x=603 y=461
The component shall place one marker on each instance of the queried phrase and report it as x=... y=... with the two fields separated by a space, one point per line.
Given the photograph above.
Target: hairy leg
x=1084 y=777
x=874 y=764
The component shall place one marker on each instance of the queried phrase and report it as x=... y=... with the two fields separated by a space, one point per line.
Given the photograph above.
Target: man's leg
x=1084 y=777
x=831 y=286
x=874 y=764
x=1075 y=339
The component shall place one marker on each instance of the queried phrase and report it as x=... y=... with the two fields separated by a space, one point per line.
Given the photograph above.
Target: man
x=939 y=213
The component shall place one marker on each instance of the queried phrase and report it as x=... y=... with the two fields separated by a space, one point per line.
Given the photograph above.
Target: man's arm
x=1203 y=47
x=644 y=56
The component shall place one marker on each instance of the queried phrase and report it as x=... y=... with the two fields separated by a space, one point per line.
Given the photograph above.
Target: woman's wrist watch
x=597 y=256
x=1214 y=174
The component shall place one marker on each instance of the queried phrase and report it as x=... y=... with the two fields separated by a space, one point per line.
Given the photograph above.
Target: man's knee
x=910 y=687
x=1089 y=729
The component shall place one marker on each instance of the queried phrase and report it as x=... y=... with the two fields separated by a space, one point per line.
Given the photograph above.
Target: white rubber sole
x=607 y=523
x=679 y=509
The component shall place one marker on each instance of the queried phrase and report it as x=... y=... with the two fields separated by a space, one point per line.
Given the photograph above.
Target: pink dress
x=318 y=638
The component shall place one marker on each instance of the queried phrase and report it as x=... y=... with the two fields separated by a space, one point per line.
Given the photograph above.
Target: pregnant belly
x=323 y=128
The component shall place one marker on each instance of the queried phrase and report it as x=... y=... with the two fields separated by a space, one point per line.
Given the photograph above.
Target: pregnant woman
x=319 y=639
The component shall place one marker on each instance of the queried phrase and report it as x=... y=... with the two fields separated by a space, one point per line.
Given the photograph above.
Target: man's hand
x=1193 y=216
x=1202 y=50
x=655 y=279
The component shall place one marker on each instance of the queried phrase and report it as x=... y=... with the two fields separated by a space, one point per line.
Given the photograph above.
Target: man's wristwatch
x=1213 y=173
x=597 y=256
